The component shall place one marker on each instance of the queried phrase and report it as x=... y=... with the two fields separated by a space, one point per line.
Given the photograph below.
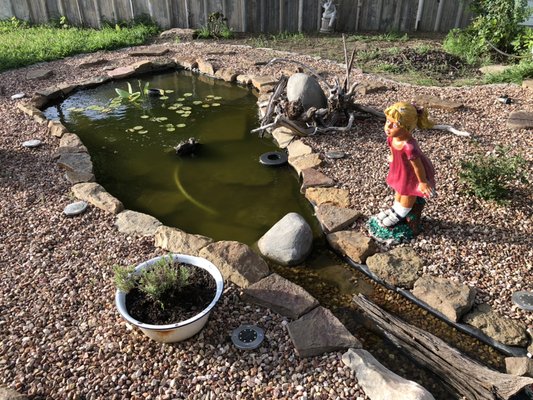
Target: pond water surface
x=222 y=192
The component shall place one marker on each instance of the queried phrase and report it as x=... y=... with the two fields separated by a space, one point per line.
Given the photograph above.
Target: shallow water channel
x=222 y=191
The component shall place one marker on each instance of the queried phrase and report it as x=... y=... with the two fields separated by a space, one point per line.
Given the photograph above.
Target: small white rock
x=18 y=96
x=32 y=143
x=75 y=208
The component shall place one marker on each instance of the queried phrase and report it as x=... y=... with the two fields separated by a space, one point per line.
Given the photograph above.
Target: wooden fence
x=270 y=16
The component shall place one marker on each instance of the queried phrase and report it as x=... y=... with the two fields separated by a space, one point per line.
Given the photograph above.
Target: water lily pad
x=186 y=108
x=180 y=99
x=145 y=116
x=215 y=105
x=217 y=98
x=143 y=132
x=209 y=96
x=206 y=105
x=181 y=125
x=172 y=108
x=163 y=98
x=95 y=107
x=138 y=127
x=171 y=129
x=79 y=109
x=197 y=102
x=169 y=91
x=107 y=110
x=179 y=111
x=187 y=94
x=162 y=118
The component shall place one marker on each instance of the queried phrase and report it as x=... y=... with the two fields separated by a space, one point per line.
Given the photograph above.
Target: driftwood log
x=462 y=374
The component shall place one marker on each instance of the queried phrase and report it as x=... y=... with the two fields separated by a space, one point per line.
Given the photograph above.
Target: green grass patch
x=515 y=74
x=22 y=44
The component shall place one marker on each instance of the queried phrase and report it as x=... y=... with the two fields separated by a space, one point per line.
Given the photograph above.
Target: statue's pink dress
x=402 y=177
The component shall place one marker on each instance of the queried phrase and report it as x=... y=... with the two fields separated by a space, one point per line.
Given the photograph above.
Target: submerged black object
x=273 y=158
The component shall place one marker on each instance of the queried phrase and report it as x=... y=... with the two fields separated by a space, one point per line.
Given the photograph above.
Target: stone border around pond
x=332 y=209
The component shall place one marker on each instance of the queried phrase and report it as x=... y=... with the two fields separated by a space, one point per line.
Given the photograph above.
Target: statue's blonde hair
x=409 y=116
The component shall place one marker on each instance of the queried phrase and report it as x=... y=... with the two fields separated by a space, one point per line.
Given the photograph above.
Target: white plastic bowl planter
x=180 y=330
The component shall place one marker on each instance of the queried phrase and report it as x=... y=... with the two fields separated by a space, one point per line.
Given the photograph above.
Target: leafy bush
x=155 y=281
x=515 y=74
x=489 y=177
x=496 y=23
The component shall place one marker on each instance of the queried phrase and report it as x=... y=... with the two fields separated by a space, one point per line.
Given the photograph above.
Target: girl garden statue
x=411 y=175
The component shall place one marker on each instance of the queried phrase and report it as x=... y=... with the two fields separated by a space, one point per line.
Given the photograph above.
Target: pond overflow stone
x=75 y=208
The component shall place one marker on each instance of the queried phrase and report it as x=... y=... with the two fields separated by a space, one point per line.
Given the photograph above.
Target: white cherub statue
x=330 y=11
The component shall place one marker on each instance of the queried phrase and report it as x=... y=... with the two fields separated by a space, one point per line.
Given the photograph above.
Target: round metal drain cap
x=247 y=337
x=524 y=300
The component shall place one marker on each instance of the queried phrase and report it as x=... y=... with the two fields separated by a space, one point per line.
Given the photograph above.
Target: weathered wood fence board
x=267 y=16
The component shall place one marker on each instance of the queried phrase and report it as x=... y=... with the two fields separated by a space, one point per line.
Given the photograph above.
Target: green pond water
x=222 y=192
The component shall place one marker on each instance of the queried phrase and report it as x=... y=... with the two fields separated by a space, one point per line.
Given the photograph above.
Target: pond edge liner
x=511 y=351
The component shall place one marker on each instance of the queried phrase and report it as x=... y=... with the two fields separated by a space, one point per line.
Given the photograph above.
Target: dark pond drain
x=273 y=158
x=524 y=300
x=247 y=337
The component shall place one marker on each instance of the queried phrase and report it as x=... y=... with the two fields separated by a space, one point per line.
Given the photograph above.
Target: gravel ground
x=61 y=336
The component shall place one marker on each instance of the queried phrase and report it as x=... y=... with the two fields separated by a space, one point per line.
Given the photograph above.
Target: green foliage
x=515 y=74
x=489 y=177
x=156 y=281
x=132 y=96
x=22 y=44
x=216 y=27
x=384 y=37
x=496 y=23
x=124 y=278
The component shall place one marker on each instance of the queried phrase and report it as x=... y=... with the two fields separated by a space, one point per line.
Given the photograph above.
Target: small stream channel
x=223 y=192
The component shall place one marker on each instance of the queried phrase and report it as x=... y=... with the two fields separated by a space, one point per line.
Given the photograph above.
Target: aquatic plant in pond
x=222 y=191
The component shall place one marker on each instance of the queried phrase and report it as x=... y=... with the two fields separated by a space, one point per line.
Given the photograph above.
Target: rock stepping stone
x=319 y=332
x=39 y=74
x=520 y=120
x=313 y=178
x=280 y=295
x=524 y=300
x=18 y=96
x=437 y=102
x=400 y=266
x=333 y=218
x=76 y=208
x=335 y=155
x=32 y=143
x=355 y=245
x=149 y=52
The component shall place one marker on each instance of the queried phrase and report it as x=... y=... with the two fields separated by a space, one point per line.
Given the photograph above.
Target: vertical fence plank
x=300 y=14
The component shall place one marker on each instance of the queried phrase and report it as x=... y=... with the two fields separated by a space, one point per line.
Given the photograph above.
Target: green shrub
x=156 y=281
x=515 y=74
x=489 y=177
x=216 y=27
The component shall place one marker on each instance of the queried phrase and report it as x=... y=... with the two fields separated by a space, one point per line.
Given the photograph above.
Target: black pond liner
x=510 y=351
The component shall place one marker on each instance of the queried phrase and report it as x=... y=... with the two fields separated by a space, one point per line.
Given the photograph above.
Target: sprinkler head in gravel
x=247 y=337
x=524 y=300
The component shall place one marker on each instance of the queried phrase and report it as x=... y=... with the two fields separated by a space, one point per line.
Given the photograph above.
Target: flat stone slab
x=307 y=161
x=527 y=83
x=75 y=208
x=354 y=244
x=332 y=196
x=205 y=67
x=283 y=136
x=133 y=222
x=437 y=102
x=520 y=120
x=280 y=295
x=450 y=298
x=494 y=69
x=10 y=394
x=178 y=241
x=56 y=128
x=370 y=87
x=227 y=74
x=519 y=366
x=96 y=63
x=400 y=266
x=504 y=330
x=237 y=262
x=333 y=218
x=263 y=82
x=298 y=149
x=78 y=166
x=149 y=52
x=95 y=194
x=39 y=74
x=335 y=155
x=378 y=382
x=319 y=332
x=121 y=72
x=313 y=178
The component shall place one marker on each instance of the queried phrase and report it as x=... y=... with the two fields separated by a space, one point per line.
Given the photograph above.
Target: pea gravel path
x=60 y=336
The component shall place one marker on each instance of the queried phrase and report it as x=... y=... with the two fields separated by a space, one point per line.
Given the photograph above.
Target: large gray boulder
x=305 y=88
x=378 y=382
x=289 y=241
